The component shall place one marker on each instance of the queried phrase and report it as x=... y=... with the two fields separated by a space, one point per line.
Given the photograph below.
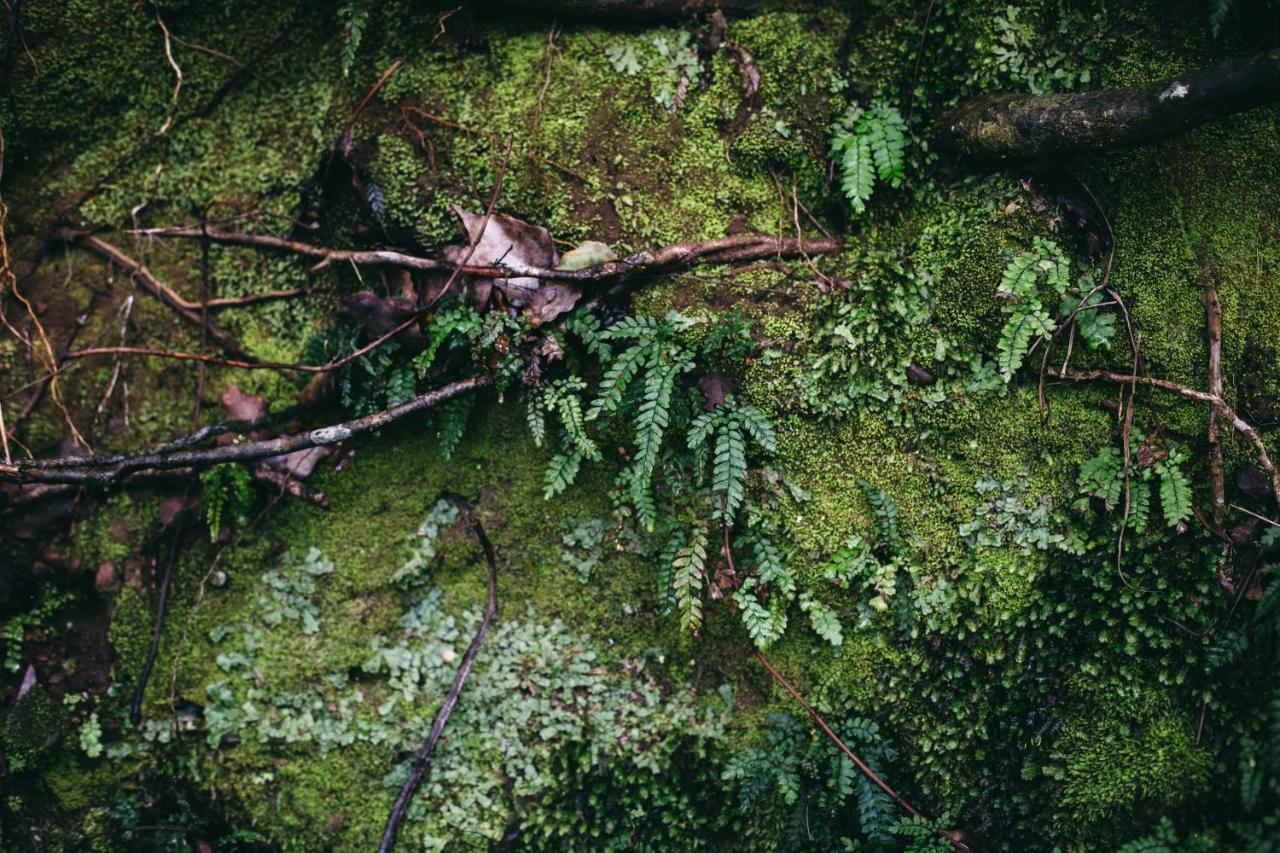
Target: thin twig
x=177 y=72
x=105 y=470
x=1240 y=424
x=423 y=759
x=162 y=607
x=952 y=837
x=4 y=437
x=187 y=311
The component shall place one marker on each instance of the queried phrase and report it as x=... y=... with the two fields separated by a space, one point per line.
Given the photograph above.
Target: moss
x=608 y=162
x=1123 y=749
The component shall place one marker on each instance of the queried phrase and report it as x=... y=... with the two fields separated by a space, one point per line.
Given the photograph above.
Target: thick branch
x=104 y=471
x=1012 y=126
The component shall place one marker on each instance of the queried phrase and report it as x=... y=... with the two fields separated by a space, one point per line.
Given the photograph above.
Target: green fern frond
x=561 y=472
x=617 y=378
x=1175 y=490
x=758 y=427
x=823 y=620
x=453 y=424
x=689 y=567
x=730 y=468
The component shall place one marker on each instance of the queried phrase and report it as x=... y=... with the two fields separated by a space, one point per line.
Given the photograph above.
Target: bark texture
x=1014 y=127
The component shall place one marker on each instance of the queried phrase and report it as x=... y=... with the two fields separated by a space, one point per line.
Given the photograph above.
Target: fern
x=823 y=620
x=226 y=488
x=764 y=625
x=688 y=573
x=561 y=471
x=868 y=145
x=652 y=420
x=354 y=17
x=730 y=428
x=452 y=424
x=1102 y=476
x=1175 y=489
x=1021 y=287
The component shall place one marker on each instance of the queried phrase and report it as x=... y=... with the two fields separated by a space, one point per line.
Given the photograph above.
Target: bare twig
x=105 y=470
x=741 y=247
x=423 y=759
x=177 y=72
x=187 y=311
x=1213 y=317
x=4 y=437
x=955 y=838
x=1229 y=414
x=162 y=606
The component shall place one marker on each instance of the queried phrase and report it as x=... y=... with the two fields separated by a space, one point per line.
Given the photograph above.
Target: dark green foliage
x=797 y=775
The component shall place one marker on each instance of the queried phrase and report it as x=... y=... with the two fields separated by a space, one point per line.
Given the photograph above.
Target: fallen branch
x=742 y=247
x=1240 y=424
x=1014 y=126
x=422 y=761
x=190 y=312
x=107 y=470
x=1213 y=318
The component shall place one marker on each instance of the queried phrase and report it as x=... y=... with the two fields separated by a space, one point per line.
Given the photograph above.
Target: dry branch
x=741 y=247
x=423 y=759
x=1014 y=126
x=1241 y=425
x=107 y=470
x=147 y=281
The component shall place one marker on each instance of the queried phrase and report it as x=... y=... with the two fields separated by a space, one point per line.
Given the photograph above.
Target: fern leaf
x=857 y=169
x=652 y=419
x=824 y=620
x=886 y=135
x=616 y=379
x=689 y=568
x=561 y=472
x=1175 y=492
x=535 y=417
x=730 y=470
x=453 y=424
x=758 y=427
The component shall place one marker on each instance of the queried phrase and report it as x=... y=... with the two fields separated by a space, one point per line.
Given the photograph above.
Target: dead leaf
x=240 y=406
x=715 y=387
x=588 y=253
x=380 y=315
x=505 y=239
x=300 y=463
x=550 y=301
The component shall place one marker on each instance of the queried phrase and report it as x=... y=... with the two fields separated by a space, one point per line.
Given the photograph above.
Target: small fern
x=764 y=624
x=869 y=145
x=823 y=619
x=226 y=491
x=688 y=576
x=354 y=17
x=1175 y=489
x=1021 y=290
x=730 y=427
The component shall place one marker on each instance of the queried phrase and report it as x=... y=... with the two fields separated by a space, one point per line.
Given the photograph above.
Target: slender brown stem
x=106 y=470
x=423 y=759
